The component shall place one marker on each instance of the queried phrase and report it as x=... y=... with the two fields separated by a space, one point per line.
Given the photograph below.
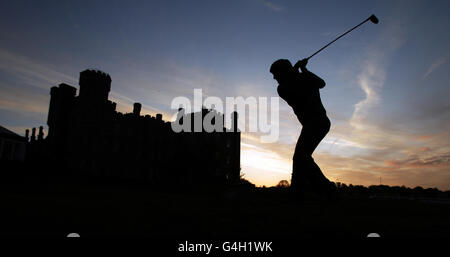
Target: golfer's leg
x=314 y=137
x=314 y=134
x=299 y=165
x=317 y=174
x=301 y=160
x=295 y=167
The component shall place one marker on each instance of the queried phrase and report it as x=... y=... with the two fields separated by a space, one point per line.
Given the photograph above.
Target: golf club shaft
x=339 y=37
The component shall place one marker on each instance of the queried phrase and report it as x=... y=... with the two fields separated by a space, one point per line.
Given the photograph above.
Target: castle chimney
x=33 y=134
x=41 y=133
x=27 y=134
x=235 y=122
x=137 y=109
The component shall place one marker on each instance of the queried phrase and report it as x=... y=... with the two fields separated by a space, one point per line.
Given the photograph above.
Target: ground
x=96 y=209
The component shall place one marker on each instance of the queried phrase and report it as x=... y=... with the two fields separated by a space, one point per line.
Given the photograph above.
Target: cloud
x=31 y=72
x=410 y=171
x=373 y=75
x=362 y=130
x=156 y=84
x=125 y=105
x=416 y=161
x=272 y=6
x=18 y=100
x=371 y=80
x=25 y=87
x=435 y=65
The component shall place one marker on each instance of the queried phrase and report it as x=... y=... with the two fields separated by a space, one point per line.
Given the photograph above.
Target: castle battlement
x=94 y=84
x=97 y=75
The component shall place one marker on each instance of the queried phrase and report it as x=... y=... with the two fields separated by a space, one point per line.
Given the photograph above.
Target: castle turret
x=93 y=104
x=94 y=85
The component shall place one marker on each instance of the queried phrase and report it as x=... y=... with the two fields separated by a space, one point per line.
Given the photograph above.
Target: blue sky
x=387 y=84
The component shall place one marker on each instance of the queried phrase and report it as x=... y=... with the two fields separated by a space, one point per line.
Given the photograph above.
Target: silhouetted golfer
x=301 y=91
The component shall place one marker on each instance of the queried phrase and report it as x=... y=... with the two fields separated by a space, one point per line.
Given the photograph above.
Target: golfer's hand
x=301 y=64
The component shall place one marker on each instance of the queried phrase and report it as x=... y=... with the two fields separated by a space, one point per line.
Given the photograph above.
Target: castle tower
x=93 y=104
x=60 y=110
x=94 y=86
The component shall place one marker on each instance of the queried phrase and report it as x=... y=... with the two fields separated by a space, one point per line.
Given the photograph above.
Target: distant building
x=87 y=135
x=12 y=146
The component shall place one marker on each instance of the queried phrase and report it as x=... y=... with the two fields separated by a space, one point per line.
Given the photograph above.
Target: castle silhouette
x=87 y=136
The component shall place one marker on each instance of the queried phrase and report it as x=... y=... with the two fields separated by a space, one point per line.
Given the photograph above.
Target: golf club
x=372 y=18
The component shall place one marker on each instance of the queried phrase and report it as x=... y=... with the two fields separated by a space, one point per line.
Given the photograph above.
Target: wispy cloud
x=31 y=82
x=410 y=171
x=272 y=6
x=25 y=85
x=371 y=80
x=31 y=72
x=18 y=100
x=125 y=105
x=435 y=65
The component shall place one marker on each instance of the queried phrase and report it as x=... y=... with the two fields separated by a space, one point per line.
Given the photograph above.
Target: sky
x=387 y=84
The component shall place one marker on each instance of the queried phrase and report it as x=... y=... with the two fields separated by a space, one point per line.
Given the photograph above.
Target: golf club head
x=373 y=19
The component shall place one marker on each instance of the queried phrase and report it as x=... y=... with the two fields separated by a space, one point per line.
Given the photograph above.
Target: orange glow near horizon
x=265 y=167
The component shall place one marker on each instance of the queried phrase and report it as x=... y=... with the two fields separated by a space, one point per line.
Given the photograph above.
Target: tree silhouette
x=283 y=184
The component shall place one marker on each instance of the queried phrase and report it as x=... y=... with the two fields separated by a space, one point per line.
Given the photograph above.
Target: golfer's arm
x=314 y=79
